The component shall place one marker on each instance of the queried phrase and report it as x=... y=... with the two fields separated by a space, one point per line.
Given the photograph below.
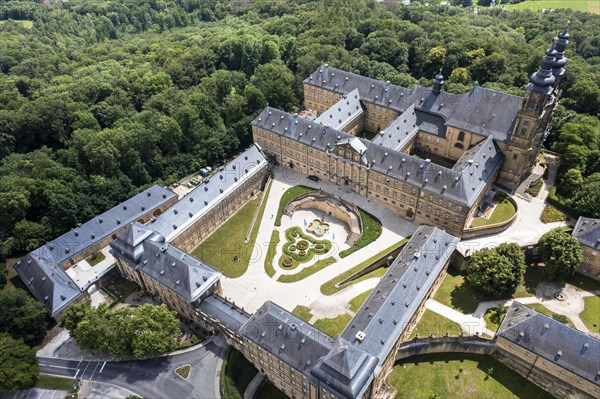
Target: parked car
x=313 y=178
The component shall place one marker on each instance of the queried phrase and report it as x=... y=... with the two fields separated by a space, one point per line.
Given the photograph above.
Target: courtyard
x=281 y=271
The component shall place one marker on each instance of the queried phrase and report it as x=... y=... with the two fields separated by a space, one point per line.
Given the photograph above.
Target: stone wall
x=471 y=232
x=336 y=208
x=464 y=344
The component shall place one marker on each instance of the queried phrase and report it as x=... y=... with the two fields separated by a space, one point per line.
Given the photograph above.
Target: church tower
x=534 y=116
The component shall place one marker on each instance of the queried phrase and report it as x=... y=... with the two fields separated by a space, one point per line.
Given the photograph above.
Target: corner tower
x=533 y=117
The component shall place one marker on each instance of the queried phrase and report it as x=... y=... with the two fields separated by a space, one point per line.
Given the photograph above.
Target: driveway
x=151 y=378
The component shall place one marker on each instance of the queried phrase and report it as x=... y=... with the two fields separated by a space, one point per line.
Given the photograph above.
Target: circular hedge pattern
x=294 y=233
x=302 y=252
x=292 y=247
x=287 y=261
x=302 y=245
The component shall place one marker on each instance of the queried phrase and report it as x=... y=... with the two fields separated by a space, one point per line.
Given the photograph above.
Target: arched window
x=459 y=145
x=461 y=136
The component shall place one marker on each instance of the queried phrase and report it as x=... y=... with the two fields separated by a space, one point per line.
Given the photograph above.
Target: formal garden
x=301 y=248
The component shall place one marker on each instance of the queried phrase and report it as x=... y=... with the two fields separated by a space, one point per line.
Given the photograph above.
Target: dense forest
x=99 y=99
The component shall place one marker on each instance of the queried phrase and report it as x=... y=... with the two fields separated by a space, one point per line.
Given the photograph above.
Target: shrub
x=292 y=247
x=302 y=253
x=302 y=245
x=287 y=261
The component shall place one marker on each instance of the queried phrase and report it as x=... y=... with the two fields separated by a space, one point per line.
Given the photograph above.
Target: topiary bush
x=302 y=245
x=302 y=253
x=292 y=247
x=287 y=261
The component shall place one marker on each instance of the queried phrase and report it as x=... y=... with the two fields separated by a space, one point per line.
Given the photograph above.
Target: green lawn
x=457 y=293
x=537 y=5
x=542 y=309
x=584 y=283
x=307 y=271
x=493 y=319
x=551 y=214
x=302 y=312
x=289 y=195
x=123 y=288
x=453 y=375
x=184 y=371
x=56 y=383
x=221 y=247
x=269 y=269
x=268 y=391
x=431 y=322
x=330 y=288
x=357 y=301
x=335 y=326
x=236 y=374
x=372 y=229
x=96 y=258
x=504 y=211
x=591 y=314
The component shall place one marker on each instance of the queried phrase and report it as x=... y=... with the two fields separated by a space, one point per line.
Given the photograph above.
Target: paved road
x=152 y=378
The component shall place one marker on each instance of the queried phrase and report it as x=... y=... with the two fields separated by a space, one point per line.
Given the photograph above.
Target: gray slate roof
x=385 y=314
x=288 y=337
x=457 y=185
x=48 y=282
x=482 y=111
x=400 y=131
x=229 y=315
x=556 y=342
x=177 y=270
x=201 y=199
x=587 y=232
x=104 y=225
x=338 y=115
x=128 y=245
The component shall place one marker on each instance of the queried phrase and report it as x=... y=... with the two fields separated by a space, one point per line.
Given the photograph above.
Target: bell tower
x=534 y=116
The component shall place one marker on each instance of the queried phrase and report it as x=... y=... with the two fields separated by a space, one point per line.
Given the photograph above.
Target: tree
x=276 y=82
x=144 y=331
x=18 y=364
x=561 y=253
x=22 y=317
x=496 y=271
x=571 y=181
x=460 y=75
x=3 y=273
x=437 y=55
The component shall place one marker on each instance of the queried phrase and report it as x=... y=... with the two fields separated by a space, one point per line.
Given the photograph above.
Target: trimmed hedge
x=302 y=245
x=289 y=195
x=269 y=269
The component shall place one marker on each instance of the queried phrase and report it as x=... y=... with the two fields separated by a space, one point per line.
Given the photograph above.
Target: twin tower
x=534 y=116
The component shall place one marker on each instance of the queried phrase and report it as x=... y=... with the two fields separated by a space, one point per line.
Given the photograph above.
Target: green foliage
x=3 y=274
x=561 y=253
x=551 y=214
x=302 y=312
x=236 y=374
x=272 y=249
x=534 y=189
x=18 y=364
x=372 y=229
x=22 y=316
x=497 y=271
x=143 y=331
x=307 y=271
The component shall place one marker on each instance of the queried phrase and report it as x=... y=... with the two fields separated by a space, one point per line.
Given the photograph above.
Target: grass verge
x=184 y=371
x=431 y=322
x=335 y=326
x=591 y=314
x=304 y=273
x=302 y=312
x=535 y=188
x=55 y=383
x=372 y=229
x=269 y=269
x=504 y=211
x=453 y=375
x=236 y=374
x=357 y=301
x=330 y=287
x=289 y=195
